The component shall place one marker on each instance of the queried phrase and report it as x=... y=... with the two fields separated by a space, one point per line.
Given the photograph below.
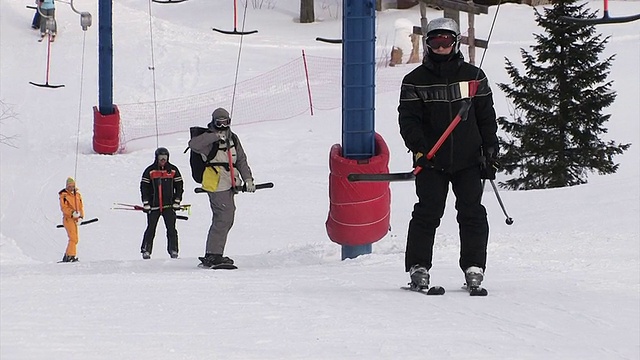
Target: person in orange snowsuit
x=72 y=212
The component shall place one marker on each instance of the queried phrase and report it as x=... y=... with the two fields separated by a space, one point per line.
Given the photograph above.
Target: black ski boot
x=473 y=277
x=420 y=281
x=419 y=277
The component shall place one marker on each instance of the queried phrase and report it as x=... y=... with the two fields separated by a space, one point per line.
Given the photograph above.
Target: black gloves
x=489 y=164
x=420 y=159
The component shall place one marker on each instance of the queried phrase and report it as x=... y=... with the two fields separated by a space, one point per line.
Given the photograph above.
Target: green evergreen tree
x=553 y=139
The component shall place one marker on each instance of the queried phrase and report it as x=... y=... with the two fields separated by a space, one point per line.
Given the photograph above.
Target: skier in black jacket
x=161 y=188
x=430 y=97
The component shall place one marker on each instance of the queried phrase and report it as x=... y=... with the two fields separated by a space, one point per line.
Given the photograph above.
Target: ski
x=406 y=176
x=434 y=290
x=475 y=291
x=121 y=206
x=183 y=207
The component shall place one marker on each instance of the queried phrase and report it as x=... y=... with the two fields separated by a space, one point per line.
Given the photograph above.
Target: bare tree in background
x=6 y=112
x=307 y=14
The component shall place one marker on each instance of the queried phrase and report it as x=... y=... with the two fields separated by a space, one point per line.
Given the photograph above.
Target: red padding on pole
x=106 y=131
x=359 y=212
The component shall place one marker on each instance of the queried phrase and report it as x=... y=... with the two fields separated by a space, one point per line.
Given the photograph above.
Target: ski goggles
x=441 y=41
x=222 y=122
x=163 y=157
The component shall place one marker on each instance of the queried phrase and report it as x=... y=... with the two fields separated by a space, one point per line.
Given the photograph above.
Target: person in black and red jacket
x=161 y=188
x=430 y=97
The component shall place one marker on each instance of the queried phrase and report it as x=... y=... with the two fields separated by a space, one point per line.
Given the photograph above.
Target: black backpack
x=195 y=159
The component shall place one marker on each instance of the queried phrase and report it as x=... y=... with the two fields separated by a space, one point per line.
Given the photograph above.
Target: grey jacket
x=223 y=139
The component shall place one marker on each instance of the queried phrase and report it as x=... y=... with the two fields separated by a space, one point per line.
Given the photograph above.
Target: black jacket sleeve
x=410 y=114
x=178 y=185
x=146 y=187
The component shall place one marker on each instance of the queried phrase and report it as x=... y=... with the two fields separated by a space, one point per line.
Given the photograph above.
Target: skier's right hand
x=146 y=208
x=420 y=160
x=250 y=186
x=75 y=215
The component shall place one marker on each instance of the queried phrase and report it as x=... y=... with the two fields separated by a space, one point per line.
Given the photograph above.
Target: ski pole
x=508 y=219
x=140 y=208
x=185 y=207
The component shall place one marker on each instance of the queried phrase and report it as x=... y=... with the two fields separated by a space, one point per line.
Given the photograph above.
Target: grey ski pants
x=223 y=209
x=49 y=14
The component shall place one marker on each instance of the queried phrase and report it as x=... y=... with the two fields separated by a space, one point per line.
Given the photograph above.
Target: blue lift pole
x=358 y=89
x=105 y=57
x=106 y=116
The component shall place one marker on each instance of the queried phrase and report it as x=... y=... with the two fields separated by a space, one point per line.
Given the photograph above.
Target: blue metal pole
x=105 y=57
x=358 y=79
x=358 y=88
x=352 y=252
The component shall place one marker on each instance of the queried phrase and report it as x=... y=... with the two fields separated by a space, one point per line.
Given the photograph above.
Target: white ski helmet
x=444 y=25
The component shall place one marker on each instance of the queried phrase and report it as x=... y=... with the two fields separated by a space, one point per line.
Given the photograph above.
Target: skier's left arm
x=485 y=114
x=241 y=161
x=80 y=205
x=178 y=186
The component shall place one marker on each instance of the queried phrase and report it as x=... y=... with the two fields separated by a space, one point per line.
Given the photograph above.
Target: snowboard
x=218 y=267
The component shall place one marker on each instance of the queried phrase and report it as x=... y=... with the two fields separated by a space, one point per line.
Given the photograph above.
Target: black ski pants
x=169 y=216
x=432 y=187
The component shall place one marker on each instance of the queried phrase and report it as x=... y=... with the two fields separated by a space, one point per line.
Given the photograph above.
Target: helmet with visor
x=443 y=33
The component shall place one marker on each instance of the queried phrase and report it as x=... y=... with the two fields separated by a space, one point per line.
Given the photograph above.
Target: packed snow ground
x=564 y=279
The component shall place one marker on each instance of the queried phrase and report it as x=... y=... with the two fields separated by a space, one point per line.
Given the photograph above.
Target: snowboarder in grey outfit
x=221 y=180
